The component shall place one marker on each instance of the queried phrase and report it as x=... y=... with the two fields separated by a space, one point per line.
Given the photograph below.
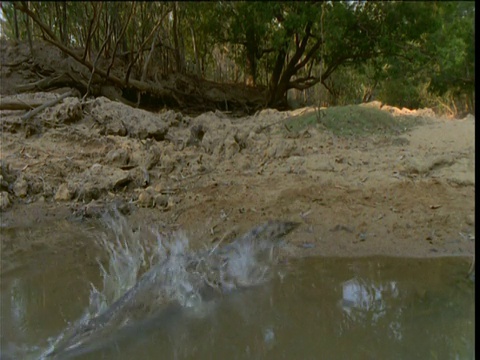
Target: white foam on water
x=148 y=270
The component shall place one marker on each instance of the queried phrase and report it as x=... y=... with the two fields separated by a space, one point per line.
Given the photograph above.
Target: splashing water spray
x=141 y=280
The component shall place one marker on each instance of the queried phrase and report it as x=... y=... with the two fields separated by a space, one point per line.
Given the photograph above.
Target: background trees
x=410 y=54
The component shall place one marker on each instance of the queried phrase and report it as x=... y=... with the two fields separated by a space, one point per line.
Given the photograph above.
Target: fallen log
x=48 y=104
x=17 y=104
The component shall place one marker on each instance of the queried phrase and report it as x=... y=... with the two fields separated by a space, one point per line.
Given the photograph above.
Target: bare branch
x=309 y=55
x=39 y=109
x=24 y=8
x=120 y=37
x=140 y=50
x=303 y=83
x=107 y=38
x=92 y=29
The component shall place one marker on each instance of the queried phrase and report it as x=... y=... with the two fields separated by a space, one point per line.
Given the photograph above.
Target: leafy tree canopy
x=275 y=46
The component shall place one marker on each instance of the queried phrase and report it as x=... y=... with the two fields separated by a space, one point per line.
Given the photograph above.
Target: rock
x=94 y=209
x=144 y=127
x=37 y=186
x=100 y=179
x=168 y=164
x=124 y=207
x=146 y=199
x=210 y=142
x=196 y=134
x=470 y=220
x=98 y=208
x=118 y=157
x=116 y=118
x=241 y=138
x=20 y=187
x=171 y=118
x=153 y=157
x=7 y=176
x=68 y=111
x=4 y=185
x=140 y=176
x=63 y=193
x=231 y=147
x=114 y=127
x=5 y=201
x=161 y=201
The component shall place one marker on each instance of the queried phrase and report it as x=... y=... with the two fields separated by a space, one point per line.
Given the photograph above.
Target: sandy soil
x=216 y=176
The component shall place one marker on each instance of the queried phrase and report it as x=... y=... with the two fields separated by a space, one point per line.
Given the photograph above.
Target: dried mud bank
x=410 y=194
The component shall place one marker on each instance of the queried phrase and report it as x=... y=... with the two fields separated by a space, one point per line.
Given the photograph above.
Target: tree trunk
x=15 y=21
x=195 y=51
x=252 y=50
x=29 y=30
x=178 y=53
x=286 y=67
x=64 y=30
x=274 y=96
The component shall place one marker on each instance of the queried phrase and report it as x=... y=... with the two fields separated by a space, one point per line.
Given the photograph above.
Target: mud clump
x=118 y=119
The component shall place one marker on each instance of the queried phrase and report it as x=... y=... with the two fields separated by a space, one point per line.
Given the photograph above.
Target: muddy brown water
x=314 y=308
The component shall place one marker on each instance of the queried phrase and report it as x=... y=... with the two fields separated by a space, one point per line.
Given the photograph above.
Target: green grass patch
x=354 y=120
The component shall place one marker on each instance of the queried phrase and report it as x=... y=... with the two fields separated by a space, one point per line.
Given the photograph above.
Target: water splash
x=144 y=277
x=126 y=254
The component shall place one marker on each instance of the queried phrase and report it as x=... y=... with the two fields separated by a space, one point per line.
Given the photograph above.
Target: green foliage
x=452 y=49
x=353 y=121
x=401 y=93
x=408 y=52
x=439 y=66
